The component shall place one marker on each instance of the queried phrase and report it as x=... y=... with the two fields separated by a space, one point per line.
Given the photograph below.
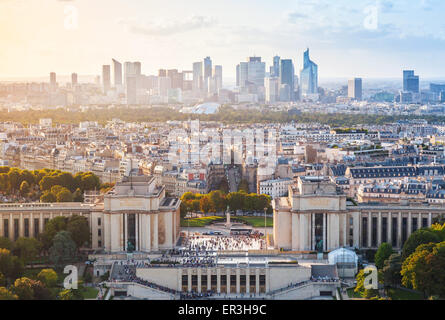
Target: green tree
x=47 y=182
x=56 y=189
x=14 y=179
x=67 y=180
x=27 y=249
x=10 y=266
x=422 y=236
x=187 y=196
x=24 y=188
x=205 y=205
x=48 y=197
x=235 y=200
x=218 y=201
x=5 y=294
x=391 y=270
x=89 y=181
x=5 y=243
x=48 y=277
x=23 y=288
x=79 y=230
x=64 y=195
x=78 y=195
x=423 y=269
x=63 y=249
x=51 y=229
x=2 y=280
x=383 y=253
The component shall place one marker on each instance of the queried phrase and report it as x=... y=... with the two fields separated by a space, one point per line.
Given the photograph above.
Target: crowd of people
x=201 y=243
x=324 y=279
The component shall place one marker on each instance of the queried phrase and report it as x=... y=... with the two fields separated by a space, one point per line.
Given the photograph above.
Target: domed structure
x=207 y=108
x=346 y=262
x=342 y=255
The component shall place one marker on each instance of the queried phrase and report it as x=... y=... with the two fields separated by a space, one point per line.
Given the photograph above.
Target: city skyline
x=173 y=36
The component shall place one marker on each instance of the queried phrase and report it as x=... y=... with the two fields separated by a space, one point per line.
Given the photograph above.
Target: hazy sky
x=39 y=36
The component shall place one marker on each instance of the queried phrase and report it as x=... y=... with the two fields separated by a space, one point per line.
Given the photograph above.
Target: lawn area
x=89 y=293
x=256 y=222
x=353 y=295
x=200 y=222
x=399 y=294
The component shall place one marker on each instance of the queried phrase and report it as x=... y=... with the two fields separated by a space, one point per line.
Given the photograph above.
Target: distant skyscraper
x=131 y=83
x=132 y=69
x=272 y=88
x=52 y=81
x=117 y=72
x=137 y=68
x=162 y=73
x=197 y=76
x=217 y=75
x=106 y=77
x=242 y=73
x=207 y=73
x=287 y=76
x=275 y=69
x=256 y=71
x=176 y=78
x=308 y=76
x=164 y=85
x=207 y=67
x=410 y=81
x=73 y=79
x=355 y=90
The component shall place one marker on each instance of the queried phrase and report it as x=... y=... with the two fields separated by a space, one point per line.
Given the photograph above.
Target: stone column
x=389 y=236
x=399 y=230
x=419 y=221
x=155 y=233
x=379 y=229
x=430 y=219
x=294 y=230
x=313 y=231
x=209 y=278
x=199 y=280
x=369 y=229
x=125 y=231
x=238 y=280
x=136 y=231
x=148 y=231
x=179 y=277
x=189 y=279
x=21 y=225
x=257 y=281
x=267 y=280
x=31 y=226
x=41 y=222
x=228 y=280
x=218 y=280
x=11 y=227
x=325 y=232
x=247 y=280
x=410 y=224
